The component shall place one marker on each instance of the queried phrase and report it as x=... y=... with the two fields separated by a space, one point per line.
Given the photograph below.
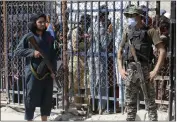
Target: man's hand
x=85 y=36
x=123 y=73
x=110 y=29
x=37 y=54
x=53 y=76
x=152 y=75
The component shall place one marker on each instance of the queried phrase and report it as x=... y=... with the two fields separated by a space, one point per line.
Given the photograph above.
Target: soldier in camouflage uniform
x=142 y=38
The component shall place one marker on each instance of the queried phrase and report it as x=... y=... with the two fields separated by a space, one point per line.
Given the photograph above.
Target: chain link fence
x=93 y=74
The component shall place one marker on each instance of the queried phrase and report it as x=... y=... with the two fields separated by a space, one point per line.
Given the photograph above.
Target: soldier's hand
x=37 y=54
x=152 y=75
x=123 y=73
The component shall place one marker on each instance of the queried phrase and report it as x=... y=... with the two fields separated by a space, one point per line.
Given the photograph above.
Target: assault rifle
x=140 y=73
x=45 y=61
x=44 y=56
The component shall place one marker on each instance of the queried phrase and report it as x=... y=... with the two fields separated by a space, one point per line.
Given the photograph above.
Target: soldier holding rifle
x=137 y=44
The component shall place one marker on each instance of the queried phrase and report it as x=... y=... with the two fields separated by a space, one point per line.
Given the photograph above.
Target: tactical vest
x=142 y=43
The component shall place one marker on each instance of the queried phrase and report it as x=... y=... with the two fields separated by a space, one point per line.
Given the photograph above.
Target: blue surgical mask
x=132 y=22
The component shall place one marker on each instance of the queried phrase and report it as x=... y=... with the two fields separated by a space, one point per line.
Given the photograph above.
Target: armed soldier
x=37 y=47
x=138 y=53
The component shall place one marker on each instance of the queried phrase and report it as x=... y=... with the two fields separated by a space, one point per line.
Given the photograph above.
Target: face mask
x=132 y=22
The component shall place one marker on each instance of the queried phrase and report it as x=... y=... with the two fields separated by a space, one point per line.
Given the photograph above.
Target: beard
x=40 y=30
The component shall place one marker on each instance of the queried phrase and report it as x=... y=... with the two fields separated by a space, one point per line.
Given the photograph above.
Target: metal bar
x=23 y=59
x=121 y=31
x=109 y=10
x=85 y=46
x=171 y=49
x=12 y=52
x=138 y=100
x=63 y=93
x=49 y=10
x=107 y=79
x=77 y=36
x=71 y=56
x=105 y=98
x=92 y=62
x=18 y=22
x=28 y=20
x=18 y=89
x=43 y=7
x=57 y=101
x=114 y=68
x=100 y=97
x=138 y=3
x=89 y=54
x=13 y=89
x=157 y=102
x=23 y=79
x=1 y=79
x=175 y=101
x=55 y=11
x=65 y=64
x=6 y=49
x=147 y=17
x=157 y=12
x=25 y=83
x=32 y=4
x=55 y=38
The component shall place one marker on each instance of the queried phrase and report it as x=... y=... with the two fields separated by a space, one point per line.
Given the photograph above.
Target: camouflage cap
x=132 y=9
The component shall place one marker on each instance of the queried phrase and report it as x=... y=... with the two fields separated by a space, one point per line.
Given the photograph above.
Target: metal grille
x=92 y=68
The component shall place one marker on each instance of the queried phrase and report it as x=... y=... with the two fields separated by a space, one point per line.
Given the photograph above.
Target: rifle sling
x=36 y=75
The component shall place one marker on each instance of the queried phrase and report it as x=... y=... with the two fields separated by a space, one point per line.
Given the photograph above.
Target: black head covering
x=33 y=19
x=84 y=18
x=103 y=10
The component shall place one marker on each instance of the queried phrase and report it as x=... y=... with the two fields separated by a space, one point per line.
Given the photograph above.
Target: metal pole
x=100 y=95
x=157 y=13
x=114 y=78
x=65 y=64
x=5 y=50
x=92 y=61
x=171 y=51
x=121 y=85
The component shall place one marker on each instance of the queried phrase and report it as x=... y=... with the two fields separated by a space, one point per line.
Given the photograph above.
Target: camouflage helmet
x=132 y=9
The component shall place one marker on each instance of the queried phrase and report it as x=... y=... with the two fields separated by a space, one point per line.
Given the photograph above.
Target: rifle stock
x=44 y=56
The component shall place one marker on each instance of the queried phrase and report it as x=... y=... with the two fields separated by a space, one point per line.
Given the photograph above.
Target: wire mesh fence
x=91 y=49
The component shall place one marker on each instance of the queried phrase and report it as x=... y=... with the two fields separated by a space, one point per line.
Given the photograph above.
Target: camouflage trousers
x=132 y=85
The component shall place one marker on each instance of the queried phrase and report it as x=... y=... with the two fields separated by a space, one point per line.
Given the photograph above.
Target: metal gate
x=87 y=72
